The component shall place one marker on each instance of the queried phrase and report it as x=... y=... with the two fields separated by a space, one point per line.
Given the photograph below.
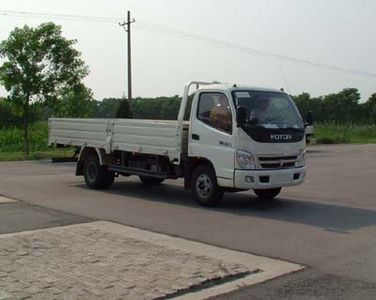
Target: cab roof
x=235 y=87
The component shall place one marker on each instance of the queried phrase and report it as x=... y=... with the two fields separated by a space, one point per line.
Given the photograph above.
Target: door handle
x=195 y=136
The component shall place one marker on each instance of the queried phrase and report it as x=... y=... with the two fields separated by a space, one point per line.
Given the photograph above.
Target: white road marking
x=6 y=200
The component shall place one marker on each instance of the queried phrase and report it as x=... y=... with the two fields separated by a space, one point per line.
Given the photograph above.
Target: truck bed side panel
x=146 y=136
x=78 y=132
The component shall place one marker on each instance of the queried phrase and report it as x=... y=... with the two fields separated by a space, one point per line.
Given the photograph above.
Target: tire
x=151 y=180
x=205 y=187
x=267 y=194
x=96 y=176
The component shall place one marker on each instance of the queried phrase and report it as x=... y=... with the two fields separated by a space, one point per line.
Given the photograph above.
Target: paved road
x=18 y=216
x=327 y=224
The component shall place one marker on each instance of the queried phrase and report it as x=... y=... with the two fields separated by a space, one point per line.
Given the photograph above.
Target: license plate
x=282 y=178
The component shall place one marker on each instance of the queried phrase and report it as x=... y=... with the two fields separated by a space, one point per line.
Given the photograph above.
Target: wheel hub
x=204 y=185
x=92 y=172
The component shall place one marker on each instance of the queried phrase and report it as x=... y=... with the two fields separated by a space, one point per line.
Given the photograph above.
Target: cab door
x=212 y=133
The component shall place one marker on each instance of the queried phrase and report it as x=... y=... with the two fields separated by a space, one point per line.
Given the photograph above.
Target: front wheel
x=205 y=187
x=267 y=194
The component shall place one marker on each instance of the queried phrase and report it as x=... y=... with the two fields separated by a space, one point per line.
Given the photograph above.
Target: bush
x=11 y=139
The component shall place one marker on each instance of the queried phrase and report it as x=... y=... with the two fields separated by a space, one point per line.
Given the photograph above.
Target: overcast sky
x=336 y=32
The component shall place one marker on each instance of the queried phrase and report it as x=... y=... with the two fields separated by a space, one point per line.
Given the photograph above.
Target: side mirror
x=241 y=115
x=309 y=119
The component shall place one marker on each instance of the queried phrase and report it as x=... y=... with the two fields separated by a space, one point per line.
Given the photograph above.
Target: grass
x=331 y=133
x=12 y=156
x=11 y=139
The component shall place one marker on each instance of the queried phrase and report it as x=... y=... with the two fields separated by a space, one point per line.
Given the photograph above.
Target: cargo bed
x=160 y=137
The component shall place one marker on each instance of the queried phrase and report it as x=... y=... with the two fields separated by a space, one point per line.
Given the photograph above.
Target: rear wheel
x=151 y=180
x=205 y=187
x=97 y=176
x=267 y=194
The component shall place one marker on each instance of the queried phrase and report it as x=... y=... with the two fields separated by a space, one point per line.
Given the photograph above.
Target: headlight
x=301 y=159
x=245 y=160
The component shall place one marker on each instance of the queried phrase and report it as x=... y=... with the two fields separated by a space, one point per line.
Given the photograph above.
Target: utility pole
x=127 y=27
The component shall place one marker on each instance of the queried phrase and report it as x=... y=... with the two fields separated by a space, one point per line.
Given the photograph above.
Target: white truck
x=237 y=138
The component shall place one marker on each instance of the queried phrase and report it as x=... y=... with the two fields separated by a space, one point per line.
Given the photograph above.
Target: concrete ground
x=327 y=224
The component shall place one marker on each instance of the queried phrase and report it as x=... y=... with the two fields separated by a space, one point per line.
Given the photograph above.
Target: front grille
x=276 y=162
x=271 y=158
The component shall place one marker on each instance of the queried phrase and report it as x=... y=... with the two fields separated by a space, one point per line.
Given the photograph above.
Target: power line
x=193 y=38
x=233 y=46
x=81 y=18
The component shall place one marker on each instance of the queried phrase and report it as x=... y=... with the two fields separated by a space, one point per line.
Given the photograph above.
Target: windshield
x=269 y=109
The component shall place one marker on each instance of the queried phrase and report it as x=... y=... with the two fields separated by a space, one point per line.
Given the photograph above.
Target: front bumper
x=266 y=179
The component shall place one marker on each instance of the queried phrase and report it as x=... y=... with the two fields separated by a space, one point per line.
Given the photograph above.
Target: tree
x=124 y=109
x=39 y=65
x=78 y=103
x=106 y=108
x=369 y=109
x=343 y=106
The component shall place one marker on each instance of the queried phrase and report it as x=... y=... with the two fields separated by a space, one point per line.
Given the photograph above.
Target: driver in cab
x=260 y=113
x=220 y=115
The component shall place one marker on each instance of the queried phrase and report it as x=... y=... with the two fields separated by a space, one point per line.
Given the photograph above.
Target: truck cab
x=252 y=138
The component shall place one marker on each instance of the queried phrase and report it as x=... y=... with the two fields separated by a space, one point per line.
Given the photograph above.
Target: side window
x=214 y=110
